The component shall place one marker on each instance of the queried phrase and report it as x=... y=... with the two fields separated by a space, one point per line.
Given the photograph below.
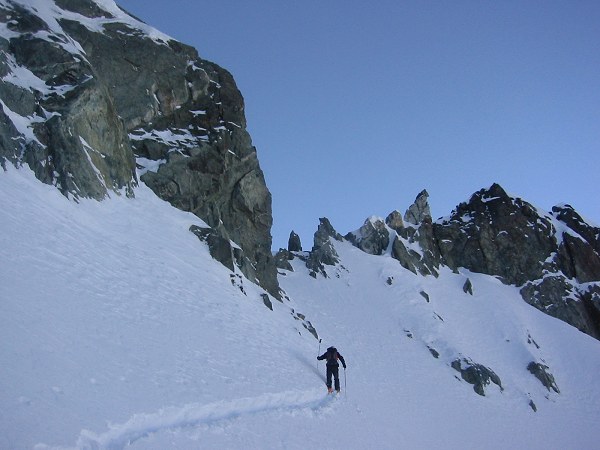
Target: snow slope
x=119 y=331
x=112 y=309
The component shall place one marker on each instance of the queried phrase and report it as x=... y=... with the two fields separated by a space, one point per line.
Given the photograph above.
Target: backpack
x=332 y=356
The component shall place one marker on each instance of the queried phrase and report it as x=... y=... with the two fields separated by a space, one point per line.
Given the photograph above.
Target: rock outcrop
x=554 y=258
x=496 y=234
x=294 y=243
x=476 y=374
x=88 y=92
x=540 y=371
x=419 y=211
x=414 y=246
x=373 y=237
x=323 y=252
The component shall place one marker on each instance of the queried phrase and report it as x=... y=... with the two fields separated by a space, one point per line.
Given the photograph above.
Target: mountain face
x=88 y=92
x=114 y=339
x=91 y=98
x=554 y=258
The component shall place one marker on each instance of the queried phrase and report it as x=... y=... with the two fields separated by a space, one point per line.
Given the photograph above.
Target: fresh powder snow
x=119 y=331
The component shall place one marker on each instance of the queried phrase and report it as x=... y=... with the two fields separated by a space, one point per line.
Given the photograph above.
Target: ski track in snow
x=142 y=425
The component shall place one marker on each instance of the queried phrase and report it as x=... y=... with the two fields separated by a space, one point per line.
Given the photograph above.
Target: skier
x=332 y=356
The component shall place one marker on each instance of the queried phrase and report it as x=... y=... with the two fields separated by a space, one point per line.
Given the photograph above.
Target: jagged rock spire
x=323 y=252
x=394 y=221
x=294 y=244
x=419 y=210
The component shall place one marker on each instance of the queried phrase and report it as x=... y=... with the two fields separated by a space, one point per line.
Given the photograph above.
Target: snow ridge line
x=141 y=425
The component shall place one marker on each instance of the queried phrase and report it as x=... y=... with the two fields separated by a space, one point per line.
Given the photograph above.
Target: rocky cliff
x=89 y=92
x=554 y=257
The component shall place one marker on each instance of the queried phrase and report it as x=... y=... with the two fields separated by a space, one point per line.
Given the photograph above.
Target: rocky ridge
x=553 y=257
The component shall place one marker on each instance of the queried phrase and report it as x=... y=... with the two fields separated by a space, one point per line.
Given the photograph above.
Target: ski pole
x=345 y=388
x=319 y=354
x=319 y=348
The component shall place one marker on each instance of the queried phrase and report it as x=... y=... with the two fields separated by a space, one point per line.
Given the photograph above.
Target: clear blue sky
x=355 y=108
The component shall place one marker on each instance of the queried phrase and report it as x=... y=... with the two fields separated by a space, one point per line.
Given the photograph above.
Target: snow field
x=421 y=400
x=119 y=331
x=112 y=309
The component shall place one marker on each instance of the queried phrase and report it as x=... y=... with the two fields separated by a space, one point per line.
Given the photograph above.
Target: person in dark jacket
x=333 y=356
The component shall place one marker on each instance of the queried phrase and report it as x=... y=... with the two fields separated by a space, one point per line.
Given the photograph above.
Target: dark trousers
x=333 y=371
